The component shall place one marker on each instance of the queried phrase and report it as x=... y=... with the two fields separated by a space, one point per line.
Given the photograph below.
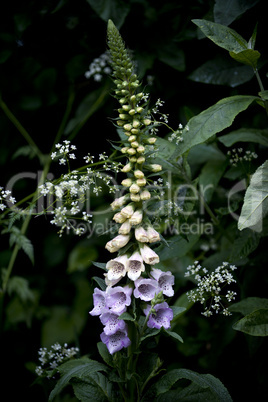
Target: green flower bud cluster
x=133 y=119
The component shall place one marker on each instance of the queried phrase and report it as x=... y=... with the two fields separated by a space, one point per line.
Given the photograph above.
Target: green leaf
x=150 y=332
x=16 y=237
x=226 y=11
x=249 y=57
x=178 y=247
x=100 y=282
x=213 y=120
x=101 y=265
x=95 y=387
x=20 y=286
x=172 y=55
x=126 y=317
x=255 y=323
x=103 y=351
x=177 y=311
x=223 y=36
x=249 y=305
x=244 y=244
x=205 y=381
x=210 y=176
x=255 y=205
x=263 y=95
x=245 y=135
x=116 y=10
x=222 y=72
x=79 y=368
x=174 y=335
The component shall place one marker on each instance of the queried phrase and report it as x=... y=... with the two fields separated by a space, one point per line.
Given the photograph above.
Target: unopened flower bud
x=132 y=112
x=135 y=197
x=123 y=116
x=126 y=182
x=135 y=131
x=132 y=138
x=140 y=160
x=128 y=211
x=119 y=218
x=117 y=243
x=139 y=109
x=133 y=159
x=120 y=123
x=124 y=150
x=148 y=255
x=150 y=140
x=141 y=235
x=119 y=202
x=138 y=174
x=126 y=107
x=127 y=127
x=125 y=228
x=145 y=195
x=131 y=151
x=136 y=123
x=152 y=234
x=147 y=122
x=127 y=168
x=122 y=101
x=141 y=182
x=134 y=188
x=135 y=144
x=141 y=149
x=155 y=168
x=133 y=98
x=136 y=218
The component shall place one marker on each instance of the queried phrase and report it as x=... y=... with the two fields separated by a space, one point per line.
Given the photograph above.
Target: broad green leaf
x=213 y=120
x=100 y=282
x=226 y=11
x=150 y=332
x=244 y=244
x=79 y=368
x=126 y=317
x=210 y=176
x=249 y=57
x=174 y=335
x=223 y=36
x=255 y=323
x=255 y=205
x=116 y=10
x=263 y=95
x=222 y=72
x=103 y=351
x=205 y=381
x=172 y=55
x=249 y=305
x=245 y=135
x=178 y=247
x=95 y=387
x=177 y=310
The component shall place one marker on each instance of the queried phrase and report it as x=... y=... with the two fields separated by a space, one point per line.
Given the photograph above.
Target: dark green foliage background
x=45 y=48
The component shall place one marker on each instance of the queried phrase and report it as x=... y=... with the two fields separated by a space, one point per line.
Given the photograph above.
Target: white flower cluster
x=176 y=136
x=5 y=196
x=50 y=359
x=238 y=155
x=209 y=287
x=98 y=67
x=63 y=152
x=74 y=188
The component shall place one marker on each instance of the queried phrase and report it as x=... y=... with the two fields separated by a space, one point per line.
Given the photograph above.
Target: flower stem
x=41 y=181
x=20 y=128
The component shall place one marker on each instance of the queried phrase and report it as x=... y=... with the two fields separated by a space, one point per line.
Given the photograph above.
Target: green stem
x=261 y=88
x=20 y=128
x=41 y=181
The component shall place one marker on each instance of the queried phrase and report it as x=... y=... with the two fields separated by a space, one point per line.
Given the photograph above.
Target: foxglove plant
x=135 y=258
